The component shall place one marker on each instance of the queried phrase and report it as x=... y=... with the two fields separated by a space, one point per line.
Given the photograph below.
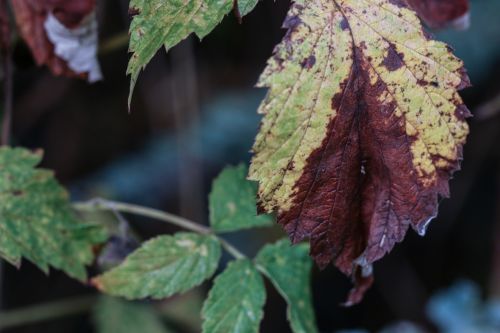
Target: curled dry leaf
x=61 y=34
x=442 y=13
x=362 y=129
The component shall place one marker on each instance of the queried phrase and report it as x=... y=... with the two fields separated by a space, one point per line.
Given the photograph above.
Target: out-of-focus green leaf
x=289 y=268
x=36 y=219
x=185 y=309
x=233 y=201
x=112 y=315
x=234 y=304
x=159 y=22
x=163 y=266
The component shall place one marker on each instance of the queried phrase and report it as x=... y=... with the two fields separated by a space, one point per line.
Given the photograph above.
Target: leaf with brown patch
x=358 y=145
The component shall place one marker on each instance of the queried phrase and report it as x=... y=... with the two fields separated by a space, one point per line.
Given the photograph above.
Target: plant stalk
x=103 y=204
x=46 y=311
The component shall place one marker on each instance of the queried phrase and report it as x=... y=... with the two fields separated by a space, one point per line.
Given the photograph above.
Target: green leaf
x=36 y=219
x=160 y=22
x=163 y=266
x=289 y=267
x=112 y=315
x=233 y=200
x=235 y=302
x=246 y=6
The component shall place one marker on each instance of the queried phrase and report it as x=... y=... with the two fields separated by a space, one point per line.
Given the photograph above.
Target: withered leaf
x=442 y=13
x=41 y=24
x=362 y=129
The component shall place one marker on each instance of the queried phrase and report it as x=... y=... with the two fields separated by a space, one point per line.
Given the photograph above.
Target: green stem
x=103 y=204
x=114 y=43
x=46 y=311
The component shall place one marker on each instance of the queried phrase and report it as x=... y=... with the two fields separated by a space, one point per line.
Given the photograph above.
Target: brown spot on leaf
x=133 y=11
x=308 y=62
x=399 y=3
x=344 y=25
x=17 y=193
x=393 y=60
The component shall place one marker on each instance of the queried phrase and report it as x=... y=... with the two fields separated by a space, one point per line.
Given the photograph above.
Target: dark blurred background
x=193 y=112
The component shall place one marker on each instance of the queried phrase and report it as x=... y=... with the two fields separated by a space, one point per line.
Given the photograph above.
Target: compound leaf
x=235 y=302
x=163 y=266
x=36 y=219
x=232 y=202
x=289 y=270
x=112 y=315
x=362 y=129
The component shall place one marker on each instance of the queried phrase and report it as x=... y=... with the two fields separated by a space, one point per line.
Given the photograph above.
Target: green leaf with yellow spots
x=158 y=23
x=362 y=129
x=36 y=219
x=235 y=302
x=163 y=266
x=232 y=202
x=289 y=269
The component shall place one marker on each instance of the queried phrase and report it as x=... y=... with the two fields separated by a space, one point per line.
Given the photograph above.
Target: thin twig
x=46 y=311
x=103 y=204
x=116 y=42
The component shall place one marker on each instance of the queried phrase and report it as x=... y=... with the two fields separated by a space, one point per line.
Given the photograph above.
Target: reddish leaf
x=363 y=128
x=442 y=13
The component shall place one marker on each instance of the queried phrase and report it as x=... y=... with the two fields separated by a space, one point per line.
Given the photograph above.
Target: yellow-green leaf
x=163 y=266
x=362 y=129
x=36 y=219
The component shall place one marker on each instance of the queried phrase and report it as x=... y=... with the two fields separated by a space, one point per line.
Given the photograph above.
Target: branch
x=47 y=311
x=103 y=204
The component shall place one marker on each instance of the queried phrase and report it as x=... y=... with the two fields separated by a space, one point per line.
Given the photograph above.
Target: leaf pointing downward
x=363 y=128
x=160 y=23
